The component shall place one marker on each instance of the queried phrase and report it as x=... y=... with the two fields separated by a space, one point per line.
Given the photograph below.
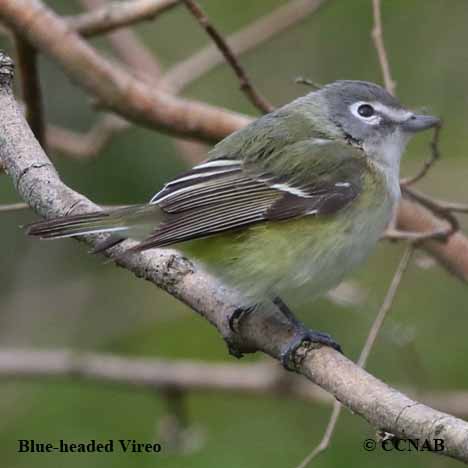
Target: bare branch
x=327 y=435
x=255 y=98
x=112 y=86
x=116 y=15
x=377 y=36
x=438 y=232
x=145 y=65
x=14 y=207
x=386 y=305
x=38 y=183
x=433 y=158
x=240 y=42
x=130 y=50
x=370 y=340
x=452 y=206
x=435 y=208
x=135 y=55
x=193 y=376
x=85 y=145
x=186 y=375
x=308 y=82
x=441 y=234
x=31 y=87
x=128 y=46
x=453 y=254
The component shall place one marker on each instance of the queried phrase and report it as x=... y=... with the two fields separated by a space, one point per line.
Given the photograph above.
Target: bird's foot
x=304 y=337
x=235 y=321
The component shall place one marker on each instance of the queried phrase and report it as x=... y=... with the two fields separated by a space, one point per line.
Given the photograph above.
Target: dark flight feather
x=208 y=201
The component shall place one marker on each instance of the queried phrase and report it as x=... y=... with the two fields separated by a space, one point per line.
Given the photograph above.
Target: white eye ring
x=371 y=120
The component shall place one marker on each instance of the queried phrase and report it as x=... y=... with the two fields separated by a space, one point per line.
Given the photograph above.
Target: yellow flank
x=274 y=256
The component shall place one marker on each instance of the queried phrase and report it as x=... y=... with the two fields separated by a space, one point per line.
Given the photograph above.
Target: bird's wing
x=226 y=194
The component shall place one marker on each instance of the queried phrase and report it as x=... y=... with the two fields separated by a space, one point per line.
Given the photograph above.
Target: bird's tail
x=136 y=221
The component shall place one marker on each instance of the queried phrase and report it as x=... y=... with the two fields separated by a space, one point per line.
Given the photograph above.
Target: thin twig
x=14 y=207
x=246 y=85
x=441 y=208
x=142 y=61
x=31 y=87
x=328 y=434
x=370 y=340
x=86 y=145
x=454 y=207
x=444 y=210
x=125 y=42
x=308 y=82
x=116 y=15
x=435 y=208
x=433 y=158
x=386 y=305
x=440 y=234
x=393 y=233
x=247 y=38
x=377 y=36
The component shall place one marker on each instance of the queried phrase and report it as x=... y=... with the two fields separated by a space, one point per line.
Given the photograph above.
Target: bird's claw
x=238 y=315
x=234 y=322
x=302 y=336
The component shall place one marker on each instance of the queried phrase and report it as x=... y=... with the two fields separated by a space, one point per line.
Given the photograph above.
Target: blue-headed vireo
x=296 y=199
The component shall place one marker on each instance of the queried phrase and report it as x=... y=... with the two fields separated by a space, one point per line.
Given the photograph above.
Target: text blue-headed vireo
x=296 y=199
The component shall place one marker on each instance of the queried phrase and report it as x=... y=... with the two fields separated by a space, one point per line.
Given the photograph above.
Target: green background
x=54 y=295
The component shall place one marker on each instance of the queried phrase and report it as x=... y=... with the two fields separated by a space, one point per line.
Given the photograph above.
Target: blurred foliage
x=55 y=295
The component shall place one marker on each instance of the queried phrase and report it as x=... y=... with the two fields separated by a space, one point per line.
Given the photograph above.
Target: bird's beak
x=418 y=123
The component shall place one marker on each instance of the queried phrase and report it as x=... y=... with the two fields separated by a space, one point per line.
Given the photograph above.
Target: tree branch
x=377 y=36
x=190 y=376
x=452 y=253
x=433 y=158
x=385 y=408
x=116 y=15
x=89 y=144
x=180 y=75
x=128 y=47
x=420 y=226
x=111 y=85
x=246 y=86
x=31 y=88
x=13 y=207
x=194 y=376
x=249 y=37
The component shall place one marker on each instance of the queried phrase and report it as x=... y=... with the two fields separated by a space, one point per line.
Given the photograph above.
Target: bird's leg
x=301 y=335
x=285 y=310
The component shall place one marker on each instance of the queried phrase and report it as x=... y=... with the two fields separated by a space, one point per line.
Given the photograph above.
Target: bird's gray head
x=367 y=114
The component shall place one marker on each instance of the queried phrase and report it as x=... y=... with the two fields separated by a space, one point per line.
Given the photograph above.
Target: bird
x=294 y=201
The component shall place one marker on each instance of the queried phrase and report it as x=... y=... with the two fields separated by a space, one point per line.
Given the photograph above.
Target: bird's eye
x=365 y=110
